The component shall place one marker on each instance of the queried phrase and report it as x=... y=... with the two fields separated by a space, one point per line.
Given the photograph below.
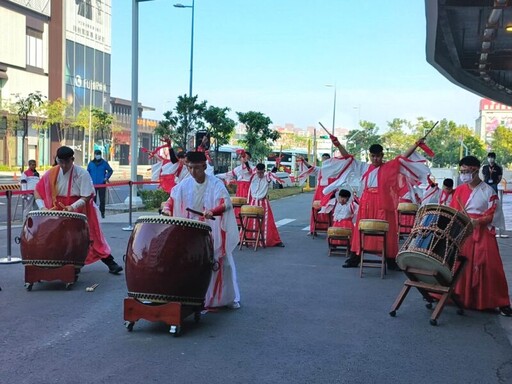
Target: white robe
x=210 y=196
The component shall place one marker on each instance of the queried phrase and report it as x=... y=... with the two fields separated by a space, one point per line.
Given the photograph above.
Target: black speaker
x=199 y=138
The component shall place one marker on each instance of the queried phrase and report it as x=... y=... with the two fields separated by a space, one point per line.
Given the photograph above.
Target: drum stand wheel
x=441 y=288
x=172 y=313
x=67 y=273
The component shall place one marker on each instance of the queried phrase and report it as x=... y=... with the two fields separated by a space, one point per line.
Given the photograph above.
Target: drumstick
x=325 y=129
x=462 y=207
x=198 y=213
x=430 y=130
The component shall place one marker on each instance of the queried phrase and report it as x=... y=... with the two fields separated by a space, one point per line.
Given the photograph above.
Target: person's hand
x=475 y=223
x=166 y=212
x=334 y=140
x=420 y=141
x=208 y=214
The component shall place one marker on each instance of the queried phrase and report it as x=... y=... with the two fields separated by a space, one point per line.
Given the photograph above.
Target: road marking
x=306 y=228
x=282 y=222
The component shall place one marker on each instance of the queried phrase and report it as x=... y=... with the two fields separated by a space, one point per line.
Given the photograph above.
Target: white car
x=287 y=181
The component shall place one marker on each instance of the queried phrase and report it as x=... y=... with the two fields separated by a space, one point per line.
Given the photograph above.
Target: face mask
x=97 y=157
x=490 y=160
x=466 y=178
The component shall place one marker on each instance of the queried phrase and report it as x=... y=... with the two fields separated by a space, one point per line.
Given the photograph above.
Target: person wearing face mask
x=100 y=172
x=483 y=284
x=492 y=172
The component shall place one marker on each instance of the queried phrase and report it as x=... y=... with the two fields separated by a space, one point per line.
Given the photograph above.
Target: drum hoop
x=429 y=255
x=445 y=210
x=62 y=214
x=174 y=221
x=162 y=299
x=50 y=263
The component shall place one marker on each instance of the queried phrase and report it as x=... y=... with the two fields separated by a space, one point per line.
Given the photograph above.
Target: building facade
x=491 y=116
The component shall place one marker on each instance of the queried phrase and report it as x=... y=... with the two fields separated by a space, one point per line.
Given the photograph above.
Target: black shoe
x=113 y=267
x=103 y=215
x=392 y=265
x=279 y=245
x=506 y=311
x=352 y=262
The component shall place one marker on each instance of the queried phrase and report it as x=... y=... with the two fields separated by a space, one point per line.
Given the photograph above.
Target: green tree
x=58 y=114
x=359 y=140
x=502 y=145
x=220 y=127
x=398 y=138
x=26 y=106
x=259 y=138
x=185 y=119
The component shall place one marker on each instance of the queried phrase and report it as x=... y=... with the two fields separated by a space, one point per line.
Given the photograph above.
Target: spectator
x=100 y=172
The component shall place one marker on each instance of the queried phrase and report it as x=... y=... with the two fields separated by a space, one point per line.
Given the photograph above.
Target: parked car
x=287 y=181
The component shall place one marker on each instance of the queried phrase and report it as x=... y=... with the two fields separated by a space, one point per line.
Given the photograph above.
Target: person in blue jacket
x=100 y=172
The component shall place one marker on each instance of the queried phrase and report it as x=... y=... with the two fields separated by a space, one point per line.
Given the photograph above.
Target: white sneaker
x=504 y=236
x=234 y=305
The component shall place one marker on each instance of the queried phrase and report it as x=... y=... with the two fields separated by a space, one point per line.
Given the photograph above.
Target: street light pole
x=179 y=5
x=333 y=112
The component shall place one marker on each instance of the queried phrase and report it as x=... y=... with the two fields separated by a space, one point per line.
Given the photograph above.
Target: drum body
x=370 y=225
x=238 y=201
x=407 y=207
x=435 y=241
x=169 y=259
x=252 y=210
x=339 y=232
x=54 y=238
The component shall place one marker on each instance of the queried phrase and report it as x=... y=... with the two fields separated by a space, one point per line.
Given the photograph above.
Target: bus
x=289 y=160
x=226 y=159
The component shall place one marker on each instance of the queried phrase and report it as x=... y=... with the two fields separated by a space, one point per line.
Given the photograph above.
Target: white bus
x=289 y=160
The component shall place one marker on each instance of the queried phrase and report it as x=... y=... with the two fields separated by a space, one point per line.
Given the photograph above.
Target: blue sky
x=276 y=56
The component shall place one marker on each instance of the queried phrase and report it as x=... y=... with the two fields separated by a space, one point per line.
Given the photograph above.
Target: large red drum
x=54 y=238
x=169 y=259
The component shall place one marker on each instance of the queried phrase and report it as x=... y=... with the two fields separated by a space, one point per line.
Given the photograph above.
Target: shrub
x=152 y=199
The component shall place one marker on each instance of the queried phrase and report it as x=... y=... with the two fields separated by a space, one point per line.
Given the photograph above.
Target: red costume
x=483 y=284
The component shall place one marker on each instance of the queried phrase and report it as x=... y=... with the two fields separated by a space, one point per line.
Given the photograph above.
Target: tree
x=359 y=140
x=58 y=114
x=25 y=107
x=502 y=145
x=184 y=121
x=220 y=127
x=259 y=135
x=397 y=140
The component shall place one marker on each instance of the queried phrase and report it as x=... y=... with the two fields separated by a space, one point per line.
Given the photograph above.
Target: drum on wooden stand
x=435 y=241
x=169 y=259
x=53 y=246
x=54 y=238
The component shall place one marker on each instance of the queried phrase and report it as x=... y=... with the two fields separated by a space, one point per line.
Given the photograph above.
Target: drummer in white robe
x=207 y=194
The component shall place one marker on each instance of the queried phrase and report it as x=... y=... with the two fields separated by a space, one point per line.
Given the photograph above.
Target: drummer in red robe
x=66 y=187
x=483 y=284
x=344 y=209
x=258 y=196
x=381 y=182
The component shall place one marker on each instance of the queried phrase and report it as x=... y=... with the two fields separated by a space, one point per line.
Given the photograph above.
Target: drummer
x=344 y=210
x=483 y=284
x=380 y=185
x=258 y=196
x=207 y=194
x=68 y=188
x=445 y=198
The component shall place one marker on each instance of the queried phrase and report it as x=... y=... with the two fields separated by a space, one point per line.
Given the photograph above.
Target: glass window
x=34 y=48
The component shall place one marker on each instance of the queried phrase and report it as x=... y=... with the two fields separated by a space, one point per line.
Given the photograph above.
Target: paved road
x=303 y=319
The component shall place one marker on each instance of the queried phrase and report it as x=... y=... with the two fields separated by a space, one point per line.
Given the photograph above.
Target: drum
x=370 y=225
x=252 y=210
x=435 y=241
x=238 y=201
x=169 y=259
x=54 y=238
x=317 y=204
x=339 y=232
x=407 y=207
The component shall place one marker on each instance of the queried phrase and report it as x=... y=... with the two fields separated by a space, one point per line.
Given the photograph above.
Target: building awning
x=3 y=75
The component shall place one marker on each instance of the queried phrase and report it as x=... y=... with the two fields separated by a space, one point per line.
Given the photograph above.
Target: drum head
x=419 y=260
